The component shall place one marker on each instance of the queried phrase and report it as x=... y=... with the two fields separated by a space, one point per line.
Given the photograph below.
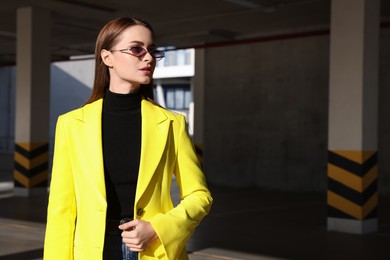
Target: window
x=177 y=96
x=170 y=58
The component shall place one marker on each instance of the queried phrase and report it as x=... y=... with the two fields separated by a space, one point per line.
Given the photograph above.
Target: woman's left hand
x=138 y=235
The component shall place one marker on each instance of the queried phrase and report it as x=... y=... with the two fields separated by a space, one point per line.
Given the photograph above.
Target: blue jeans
x=128 y=254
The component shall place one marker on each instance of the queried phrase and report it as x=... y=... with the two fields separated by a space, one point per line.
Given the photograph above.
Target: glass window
x=170 y=58
x=177 y=96
x=187 y=59
x=181 y=56
x=170 y=98
x=179 y=99
x=187 y=98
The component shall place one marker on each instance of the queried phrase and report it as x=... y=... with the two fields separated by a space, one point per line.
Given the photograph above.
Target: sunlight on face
x=127 y=71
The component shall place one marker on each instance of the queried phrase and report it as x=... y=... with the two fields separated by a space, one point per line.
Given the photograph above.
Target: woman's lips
x=146 y=70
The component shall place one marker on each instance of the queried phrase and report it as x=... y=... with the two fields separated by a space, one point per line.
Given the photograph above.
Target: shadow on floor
x=287 y=225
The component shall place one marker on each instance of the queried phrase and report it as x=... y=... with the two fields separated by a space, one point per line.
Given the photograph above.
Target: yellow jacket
x=77 y=202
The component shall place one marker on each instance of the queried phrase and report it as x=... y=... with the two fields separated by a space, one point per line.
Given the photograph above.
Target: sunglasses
x=139 y=51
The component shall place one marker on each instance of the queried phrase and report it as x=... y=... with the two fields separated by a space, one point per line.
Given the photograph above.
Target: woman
x=114 y=159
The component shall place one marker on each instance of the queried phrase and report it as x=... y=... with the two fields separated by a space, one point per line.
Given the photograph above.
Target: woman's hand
x=138 y=234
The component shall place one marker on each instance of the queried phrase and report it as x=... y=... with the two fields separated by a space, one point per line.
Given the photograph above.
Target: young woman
x=114 y=159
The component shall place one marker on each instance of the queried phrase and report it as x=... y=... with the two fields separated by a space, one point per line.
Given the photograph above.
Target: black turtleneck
x=121 y=133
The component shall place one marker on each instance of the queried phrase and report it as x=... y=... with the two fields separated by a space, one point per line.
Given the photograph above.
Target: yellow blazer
x=77 y=201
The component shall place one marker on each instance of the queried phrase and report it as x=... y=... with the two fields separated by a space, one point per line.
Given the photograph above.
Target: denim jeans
x=128 y=254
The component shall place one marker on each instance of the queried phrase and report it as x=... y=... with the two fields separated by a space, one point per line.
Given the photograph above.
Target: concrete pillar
x=32 y=101
x=197 y=85
x=353 y=107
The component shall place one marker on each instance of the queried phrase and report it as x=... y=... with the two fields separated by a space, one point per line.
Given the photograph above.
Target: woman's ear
x=106 y=57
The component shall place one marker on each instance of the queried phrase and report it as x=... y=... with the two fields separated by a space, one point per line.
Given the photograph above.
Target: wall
x=7 y=107
x=384 y=113
x=266 y=114
x=267 y=108
x=70 y=86
x=7 y=120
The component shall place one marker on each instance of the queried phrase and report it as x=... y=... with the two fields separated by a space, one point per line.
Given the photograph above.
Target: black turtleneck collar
x=122 y=102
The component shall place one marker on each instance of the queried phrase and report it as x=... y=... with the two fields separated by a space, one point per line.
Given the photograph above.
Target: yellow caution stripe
x=31 y=162
x=352 y=184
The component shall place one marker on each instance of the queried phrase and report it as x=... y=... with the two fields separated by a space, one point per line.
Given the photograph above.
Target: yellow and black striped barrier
x=31 y=163
x=352 y=184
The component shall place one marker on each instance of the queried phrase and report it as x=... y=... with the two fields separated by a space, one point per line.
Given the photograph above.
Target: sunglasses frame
x=143 y=53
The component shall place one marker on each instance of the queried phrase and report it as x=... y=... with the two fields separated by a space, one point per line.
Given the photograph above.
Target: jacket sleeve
x=62 y=203
x=176 y=226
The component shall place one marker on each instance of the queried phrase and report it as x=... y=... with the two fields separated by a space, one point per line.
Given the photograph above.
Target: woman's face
x=127 y=71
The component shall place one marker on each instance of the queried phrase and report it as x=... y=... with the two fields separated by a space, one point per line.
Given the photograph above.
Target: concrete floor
x=243 y=224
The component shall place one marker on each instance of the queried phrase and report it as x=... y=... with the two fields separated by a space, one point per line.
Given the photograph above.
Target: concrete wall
x=384 y=113
x=7 y=109
x=7 y=120
x=266 y=108
x=70 y=87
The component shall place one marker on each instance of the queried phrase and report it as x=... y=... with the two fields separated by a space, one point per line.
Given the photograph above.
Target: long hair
x=107 y=38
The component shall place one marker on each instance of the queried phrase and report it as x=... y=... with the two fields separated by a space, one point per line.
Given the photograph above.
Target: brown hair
x=106 y=39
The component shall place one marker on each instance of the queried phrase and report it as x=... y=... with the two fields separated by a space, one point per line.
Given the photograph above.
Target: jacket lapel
x=91 y=118
x=155 y=128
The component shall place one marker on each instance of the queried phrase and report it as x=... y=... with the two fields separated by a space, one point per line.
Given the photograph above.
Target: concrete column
x=353 y=107
x=197 y=86
x=32 y=101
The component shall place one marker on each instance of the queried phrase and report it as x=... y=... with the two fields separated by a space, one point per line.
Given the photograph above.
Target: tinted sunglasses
x=139 y=51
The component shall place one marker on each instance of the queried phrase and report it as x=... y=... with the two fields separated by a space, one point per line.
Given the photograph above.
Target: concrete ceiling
x=75 y=23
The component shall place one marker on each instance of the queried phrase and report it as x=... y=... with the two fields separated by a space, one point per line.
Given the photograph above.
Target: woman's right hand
x=138 y=234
